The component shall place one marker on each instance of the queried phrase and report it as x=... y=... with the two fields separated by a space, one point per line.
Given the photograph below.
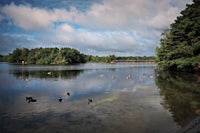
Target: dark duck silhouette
x=30 y=99
x=33 y=100
x=60 y=99
x=90 y=100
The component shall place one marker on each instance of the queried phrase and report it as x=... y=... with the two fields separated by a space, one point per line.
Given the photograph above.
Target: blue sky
x=97 y=27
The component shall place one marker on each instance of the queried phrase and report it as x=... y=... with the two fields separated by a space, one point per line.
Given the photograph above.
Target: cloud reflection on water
x=81 y=84
x=119 y=105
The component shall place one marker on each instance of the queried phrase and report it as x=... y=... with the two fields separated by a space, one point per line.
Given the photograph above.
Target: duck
x=33 y=100
x=90 y=100
x=101 y=75
x=28 y=98
x=60 y=99
x=128 y=77
x=113 y=77
x=49 y=73
x=27 y=79
x=151 y=76
x=144 y=76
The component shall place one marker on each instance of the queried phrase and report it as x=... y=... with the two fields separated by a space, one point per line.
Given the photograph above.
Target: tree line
x=64 y=56
x=180 y=45
x=46 y=56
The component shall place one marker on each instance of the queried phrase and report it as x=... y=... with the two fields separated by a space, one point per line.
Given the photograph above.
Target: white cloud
x=122 y=26
x=31 y=18
x=65 y=28
x=116 y=14
x=26 y=17
x=163 y=18
x=128 y=14
x=105 y=41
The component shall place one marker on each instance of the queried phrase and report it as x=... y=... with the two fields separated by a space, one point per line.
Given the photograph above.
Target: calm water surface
x=126 y=97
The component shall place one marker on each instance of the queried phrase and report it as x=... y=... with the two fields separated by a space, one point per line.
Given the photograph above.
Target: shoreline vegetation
x=179 y=48
x=64 y=56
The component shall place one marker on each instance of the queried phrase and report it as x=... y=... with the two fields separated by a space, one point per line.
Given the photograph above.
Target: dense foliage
x=63 y=56
x=136 y=58
x=46 y=56
x=103 y=59
x=1 y=57
x=180 y=46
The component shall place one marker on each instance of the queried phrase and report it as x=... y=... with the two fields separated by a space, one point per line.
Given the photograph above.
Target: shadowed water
x=126 y=97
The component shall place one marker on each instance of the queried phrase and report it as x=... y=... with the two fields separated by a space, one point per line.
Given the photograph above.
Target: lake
x=123 y=98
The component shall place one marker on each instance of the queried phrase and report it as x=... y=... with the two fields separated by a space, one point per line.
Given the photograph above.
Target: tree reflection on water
x=64 y=74
x=181 y=95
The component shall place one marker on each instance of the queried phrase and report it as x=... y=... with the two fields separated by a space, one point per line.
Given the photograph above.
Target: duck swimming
x=33 y=100
x=28 y=98
x=60 y=99
x=129 y=77
x=90 y=100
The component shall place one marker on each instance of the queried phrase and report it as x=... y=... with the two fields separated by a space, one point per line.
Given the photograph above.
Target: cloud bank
x=128 y=27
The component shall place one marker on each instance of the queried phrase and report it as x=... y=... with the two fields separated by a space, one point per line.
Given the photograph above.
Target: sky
x=95 y=27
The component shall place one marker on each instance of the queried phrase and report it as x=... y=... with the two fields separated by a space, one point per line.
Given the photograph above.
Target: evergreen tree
x=180 y=45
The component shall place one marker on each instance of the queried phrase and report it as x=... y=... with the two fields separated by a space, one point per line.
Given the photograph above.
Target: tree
x=180 y=45
x=15 y=56
x=24 y=54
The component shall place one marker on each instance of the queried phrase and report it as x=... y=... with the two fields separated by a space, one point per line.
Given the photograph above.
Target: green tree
x=1 y=58
x=24 y=54
x=180 y=45
x=15 y=56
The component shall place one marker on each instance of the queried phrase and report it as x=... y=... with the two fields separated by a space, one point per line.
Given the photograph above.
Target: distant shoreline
x=112 y=62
